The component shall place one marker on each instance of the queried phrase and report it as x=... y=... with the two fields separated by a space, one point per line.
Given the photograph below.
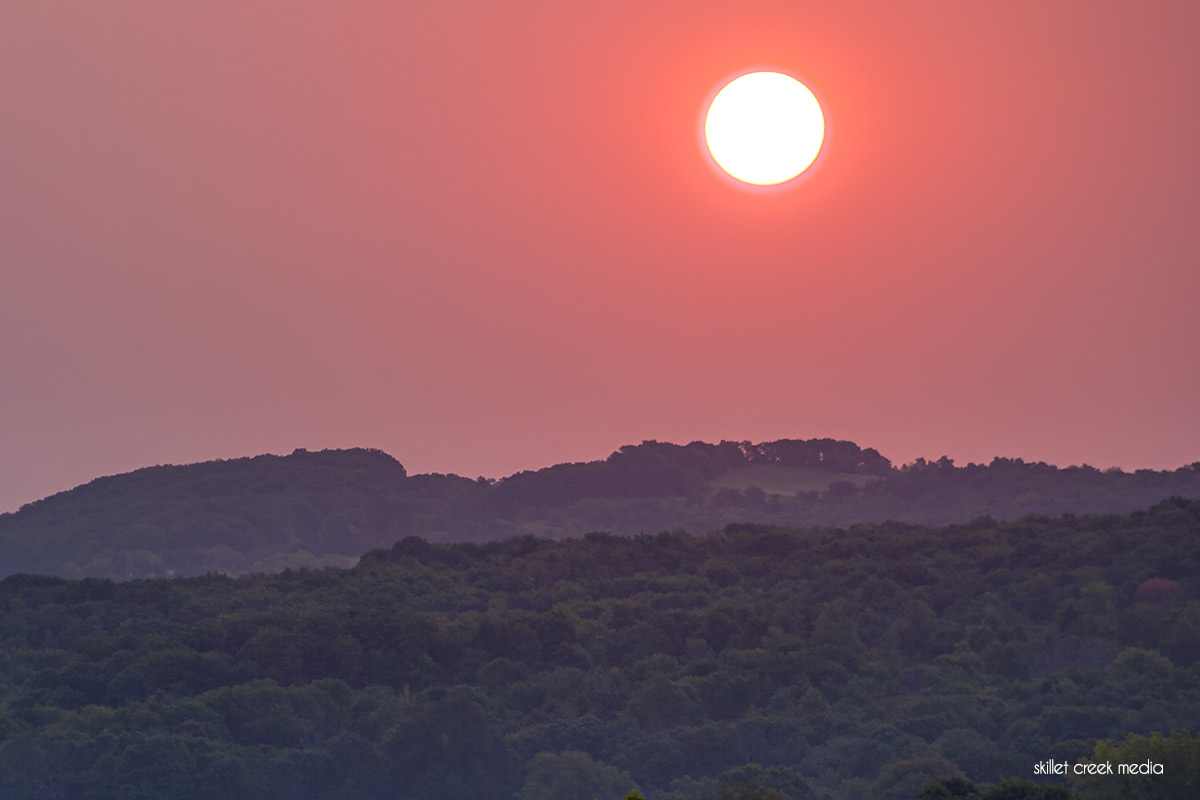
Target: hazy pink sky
x=484 y=237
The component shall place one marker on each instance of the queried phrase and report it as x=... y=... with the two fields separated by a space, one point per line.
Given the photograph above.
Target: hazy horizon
x=466 y=474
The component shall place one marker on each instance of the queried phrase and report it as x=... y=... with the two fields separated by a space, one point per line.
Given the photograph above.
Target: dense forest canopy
x=312 y=509
x=878 y=662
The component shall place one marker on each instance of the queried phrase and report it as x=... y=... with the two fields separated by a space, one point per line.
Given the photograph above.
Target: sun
x=764 y=128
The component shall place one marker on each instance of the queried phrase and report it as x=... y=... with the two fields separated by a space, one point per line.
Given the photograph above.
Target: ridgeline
x=311 y=509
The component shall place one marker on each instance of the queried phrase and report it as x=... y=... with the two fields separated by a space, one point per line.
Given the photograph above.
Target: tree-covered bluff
x=754 y=662
x=312 y=509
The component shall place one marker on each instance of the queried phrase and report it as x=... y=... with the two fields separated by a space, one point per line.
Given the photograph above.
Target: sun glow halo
x=764 y=128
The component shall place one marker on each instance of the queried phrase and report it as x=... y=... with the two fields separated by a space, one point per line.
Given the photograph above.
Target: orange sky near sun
x=484 y=237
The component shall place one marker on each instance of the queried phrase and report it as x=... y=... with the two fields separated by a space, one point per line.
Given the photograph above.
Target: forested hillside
x=268 y=513
x=754 y=663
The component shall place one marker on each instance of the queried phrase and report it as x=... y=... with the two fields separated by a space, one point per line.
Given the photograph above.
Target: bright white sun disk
x=764 y=128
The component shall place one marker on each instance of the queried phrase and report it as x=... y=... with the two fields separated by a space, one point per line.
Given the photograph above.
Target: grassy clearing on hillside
x=778 y=479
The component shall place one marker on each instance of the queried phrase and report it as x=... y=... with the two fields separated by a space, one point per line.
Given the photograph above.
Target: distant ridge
x=264 y=513
x=312 y=509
